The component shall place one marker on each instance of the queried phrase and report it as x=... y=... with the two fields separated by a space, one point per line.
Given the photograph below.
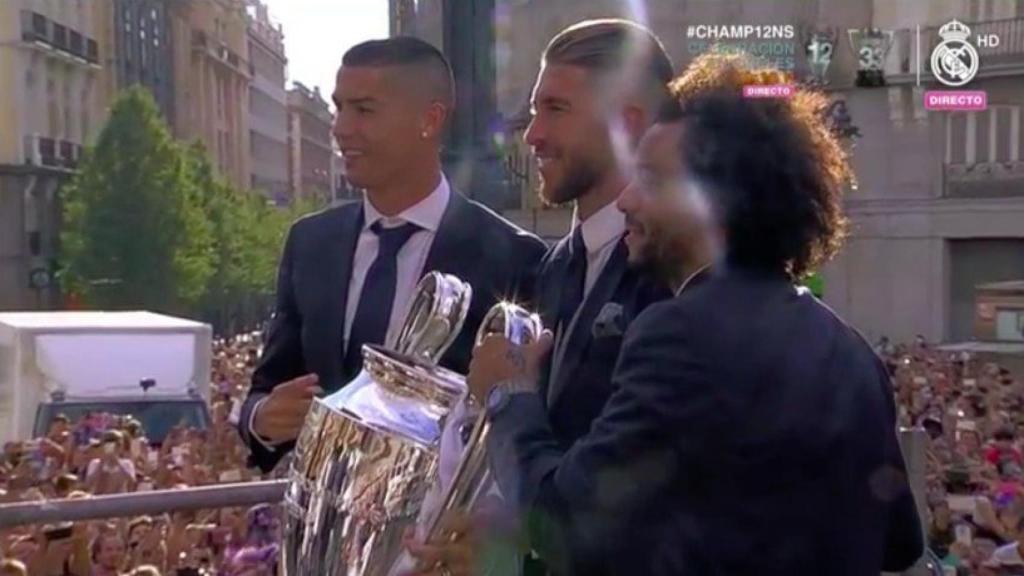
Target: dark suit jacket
x=751 y=431
x=306 y=334
x=584 y=376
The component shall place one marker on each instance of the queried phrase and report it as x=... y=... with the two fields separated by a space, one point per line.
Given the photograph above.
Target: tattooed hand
x=496 y=360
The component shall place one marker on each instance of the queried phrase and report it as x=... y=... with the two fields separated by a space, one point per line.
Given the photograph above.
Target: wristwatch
x=502 y=393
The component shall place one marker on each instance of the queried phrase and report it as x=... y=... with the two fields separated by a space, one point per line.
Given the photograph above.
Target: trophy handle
x=472 y=478
x=435 y=317
x=511 y=321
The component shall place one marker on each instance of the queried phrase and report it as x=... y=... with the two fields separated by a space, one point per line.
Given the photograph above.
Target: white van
x=152 y=366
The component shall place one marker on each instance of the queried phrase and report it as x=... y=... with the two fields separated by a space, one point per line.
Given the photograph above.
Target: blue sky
x=318 y=32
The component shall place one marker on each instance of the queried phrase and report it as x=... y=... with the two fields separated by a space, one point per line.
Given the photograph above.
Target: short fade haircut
x=432 y=69
x=614 y=47
x=772 y=167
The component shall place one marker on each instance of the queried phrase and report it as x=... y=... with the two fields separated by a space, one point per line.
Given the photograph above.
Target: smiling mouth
x=545 y=161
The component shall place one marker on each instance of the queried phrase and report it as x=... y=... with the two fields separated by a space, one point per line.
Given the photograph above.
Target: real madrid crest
x=954 y=61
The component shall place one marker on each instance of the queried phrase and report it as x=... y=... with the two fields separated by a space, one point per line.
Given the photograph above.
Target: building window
x=1010 y=325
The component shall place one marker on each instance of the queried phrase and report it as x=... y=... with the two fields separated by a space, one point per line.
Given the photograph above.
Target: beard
x=579 y=176
x=659 y=256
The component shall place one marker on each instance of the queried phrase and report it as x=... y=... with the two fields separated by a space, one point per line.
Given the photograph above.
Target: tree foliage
x=149 y=224
x=133 y=234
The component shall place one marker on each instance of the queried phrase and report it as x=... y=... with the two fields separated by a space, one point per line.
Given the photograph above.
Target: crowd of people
x=972 y=412
x=105 y=453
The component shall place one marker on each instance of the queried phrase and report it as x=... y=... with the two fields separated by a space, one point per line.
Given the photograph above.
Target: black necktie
x=575 y=277
x=370 y=324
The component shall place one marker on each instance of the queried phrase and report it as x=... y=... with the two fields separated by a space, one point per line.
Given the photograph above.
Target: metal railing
x=142 y=503
x=913 y=444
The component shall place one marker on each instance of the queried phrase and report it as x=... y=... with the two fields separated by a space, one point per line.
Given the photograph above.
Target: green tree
x=248 y=234
x=135 y=233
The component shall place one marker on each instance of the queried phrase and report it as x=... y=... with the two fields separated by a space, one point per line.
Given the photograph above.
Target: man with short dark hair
x=348 y=274
x=751 y=431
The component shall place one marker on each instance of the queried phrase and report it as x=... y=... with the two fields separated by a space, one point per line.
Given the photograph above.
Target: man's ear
x=636 y=122
x=434 y=120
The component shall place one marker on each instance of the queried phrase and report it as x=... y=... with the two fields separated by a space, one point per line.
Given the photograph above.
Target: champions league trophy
x=368 y=454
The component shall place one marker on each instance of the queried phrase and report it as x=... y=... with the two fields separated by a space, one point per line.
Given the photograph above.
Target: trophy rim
x=419 y=378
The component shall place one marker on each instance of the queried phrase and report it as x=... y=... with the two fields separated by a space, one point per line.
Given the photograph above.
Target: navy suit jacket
x=751 y=431
x=306 y=334
x=584 y=379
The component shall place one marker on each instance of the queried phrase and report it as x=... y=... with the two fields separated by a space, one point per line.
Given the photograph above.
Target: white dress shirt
x=426 y=214
x=601 y=232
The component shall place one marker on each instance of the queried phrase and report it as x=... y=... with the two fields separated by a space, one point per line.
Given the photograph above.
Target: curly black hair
x=772 y=168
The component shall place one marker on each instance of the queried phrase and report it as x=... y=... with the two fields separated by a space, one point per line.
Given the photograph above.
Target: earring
x=423 y=134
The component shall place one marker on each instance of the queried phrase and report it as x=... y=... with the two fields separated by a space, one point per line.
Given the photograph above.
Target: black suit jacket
x=306 y=334
x=584 y=379
x=751 y=431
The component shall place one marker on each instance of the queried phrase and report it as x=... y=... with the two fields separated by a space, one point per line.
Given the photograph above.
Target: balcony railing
x=903 y=58
x=77 y=44
x=69 y=154
x=218 y=50
x=38 y=29
x=984 y=180
x=60 y=37
x=142 y=503
x=913 y=445
x=48 y=151
x=51 y=153
x=34 y=27
x=92 y=52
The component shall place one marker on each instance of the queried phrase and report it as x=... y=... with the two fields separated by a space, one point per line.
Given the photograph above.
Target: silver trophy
x=472 y=479
x=819 y=47
x=368 y=454
x=871 y=45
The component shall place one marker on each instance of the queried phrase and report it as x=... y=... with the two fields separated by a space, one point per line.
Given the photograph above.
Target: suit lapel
x=453 y=239
x=338 y=276
x=578 y=334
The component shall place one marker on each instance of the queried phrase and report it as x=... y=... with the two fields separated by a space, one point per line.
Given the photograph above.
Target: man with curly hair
x=751 y=430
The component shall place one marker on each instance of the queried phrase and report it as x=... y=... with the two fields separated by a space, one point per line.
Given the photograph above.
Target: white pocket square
x=610 y=321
